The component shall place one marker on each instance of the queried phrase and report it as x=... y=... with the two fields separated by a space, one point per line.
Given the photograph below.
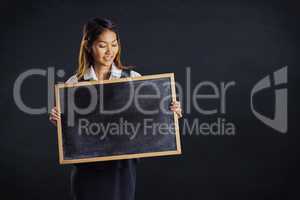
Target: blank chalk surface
x=90 y=131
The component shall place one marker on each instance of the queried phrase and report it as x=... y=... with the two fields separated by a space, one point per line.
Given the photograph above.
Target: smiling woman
x=99 y=59
x=100 y=50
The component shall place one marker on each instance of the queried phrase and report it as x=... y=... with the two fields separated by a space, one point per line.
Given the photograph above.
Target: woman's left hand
x=176 y=107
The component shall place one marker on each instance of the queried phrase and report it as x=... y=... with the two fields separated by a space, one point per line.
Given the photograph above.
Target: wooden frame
x=59 y=86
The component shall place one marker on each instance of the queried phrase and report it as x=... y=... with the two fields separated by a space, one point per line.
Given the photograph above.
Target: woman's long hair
x=91 y=30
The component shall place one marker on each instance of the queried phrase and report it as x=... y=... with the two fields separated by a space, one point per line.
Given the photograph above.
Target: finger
x=56 y=111
x=53 y=121
x=172 y=108
x=55 y=116
x=53 y=109
x=178 y=110
x=176 y=103
x=179 y=113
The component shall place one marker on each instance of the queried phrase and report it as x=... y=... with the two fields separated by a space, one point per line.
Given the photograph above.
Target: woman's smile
x=108 y=58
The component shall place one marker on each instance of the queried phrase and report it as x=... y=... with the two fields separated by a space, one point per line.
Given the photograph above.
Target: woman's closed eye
x=102 y=46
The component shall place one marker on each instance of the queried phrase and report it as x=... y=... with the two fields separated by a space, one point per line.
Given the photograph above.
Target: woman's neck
x=102 y=72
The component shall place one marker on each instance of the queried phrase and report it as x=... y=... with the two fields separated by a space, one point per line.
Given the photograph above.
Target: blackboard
x=117 y=119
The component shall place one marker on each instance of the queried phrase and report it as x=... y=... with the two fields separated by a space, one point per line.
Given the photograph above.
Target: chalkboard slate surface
x=106 y=120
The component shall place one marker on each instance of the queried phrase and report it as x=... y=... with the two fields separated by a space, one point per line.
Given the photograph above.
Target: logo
x=207 y=98
x=280 y=120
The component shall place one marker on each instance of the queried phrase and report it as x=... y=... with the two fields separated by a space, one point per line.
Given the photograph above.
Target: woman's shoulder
x=134 y=73
x=72 y=79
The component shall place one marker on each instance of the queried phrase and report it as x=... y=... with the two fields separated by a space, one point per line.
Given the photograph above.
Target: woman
x=99 y=59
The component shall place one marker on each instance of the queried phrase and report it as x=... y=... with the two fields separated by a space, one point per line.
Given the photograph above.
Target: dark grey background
x=241 y=41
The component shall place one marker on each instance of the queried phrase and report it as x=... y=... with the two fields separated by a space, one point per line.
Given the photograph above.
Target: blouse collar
x=90 y=74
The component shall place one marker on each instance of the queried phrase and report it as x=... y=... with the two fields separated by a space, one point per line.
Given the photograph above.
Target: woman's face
x=105 y=48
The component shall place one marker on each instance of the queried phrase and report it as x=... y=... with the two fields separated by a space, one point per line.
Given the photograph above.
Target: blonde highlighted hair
x=91 y=30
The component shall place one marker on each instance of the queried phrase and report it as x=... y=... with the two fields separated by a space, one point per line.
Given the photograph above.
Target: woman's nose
x=109 y=50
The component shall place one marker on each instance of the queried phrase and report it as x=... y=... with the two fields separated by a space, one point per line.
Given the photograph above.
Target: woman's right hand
x=54 y=116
